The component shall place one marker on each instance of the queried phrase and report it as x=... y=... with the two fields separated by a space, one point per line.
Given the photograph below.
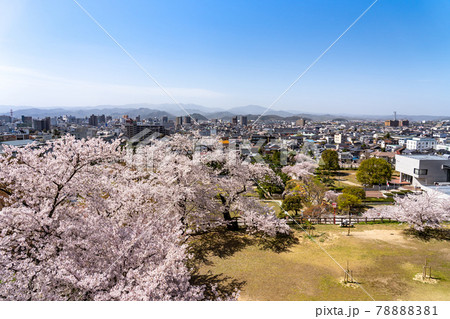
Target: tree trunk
x=232 y=223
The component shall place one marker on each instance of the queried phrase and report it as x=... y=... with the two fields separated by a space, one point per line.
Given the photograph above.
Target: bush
x=356 y=191
x=375 y=199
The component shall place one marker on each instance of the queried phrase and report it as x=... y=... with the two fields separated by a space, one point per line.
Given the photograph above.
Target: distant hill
x=257 y=110
x=146 y=110
x=198 y=117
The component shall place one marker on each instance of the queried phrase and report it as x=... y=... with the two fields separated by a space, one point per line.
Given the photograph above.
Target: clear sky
x=229 y=53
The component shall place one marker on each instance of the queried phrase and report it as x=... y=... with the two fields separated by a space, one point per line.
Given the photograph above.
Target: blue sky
x=229 y=53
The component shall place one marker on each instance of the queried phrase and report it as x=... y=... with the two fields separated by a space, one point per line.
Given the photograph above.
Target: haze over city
x=228 y=54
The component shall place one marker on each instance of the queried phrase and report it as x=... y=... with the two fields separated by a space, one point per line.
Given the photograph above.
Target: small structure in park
x=348 y=275
x=348 y=280
x=426 y=271
x=425 y=276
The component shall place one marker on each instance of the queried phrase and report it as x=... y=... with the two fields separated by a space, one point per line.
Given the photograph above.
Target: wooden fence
x=330 y=220
x=339 y=219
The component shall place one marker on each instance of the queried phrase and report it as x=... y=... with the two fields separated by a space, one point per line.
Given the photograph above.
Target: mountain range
x=172 y=110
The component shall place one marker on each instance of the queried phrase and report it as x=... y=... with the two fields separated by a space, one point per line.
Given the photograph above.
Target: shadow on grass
x=217 y=287
x=279 y=243
x=219 y=243
x=429 y=233
x=224 y=243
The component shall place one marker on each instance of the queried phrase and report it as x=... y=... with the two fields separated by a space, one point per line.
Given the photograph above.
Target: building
x=84 y=132
x=391 y=123
x=234 y=120
x=420 y=144
x=28 y=120
x=404 y=123
x=165 y=120
x=5 y=119
x=144 y=130
x=187 y=120
x=102 y=119
x=93 y=120
x=16 y=143
x=423 y=169
x=243 y=120
x=300 y=122
x=179 y=121
x=42 y=125
x=338 y=138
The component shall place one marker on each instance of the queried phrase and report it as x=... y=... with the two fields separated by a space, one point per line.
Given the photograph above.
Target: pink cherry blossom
x=88 y=220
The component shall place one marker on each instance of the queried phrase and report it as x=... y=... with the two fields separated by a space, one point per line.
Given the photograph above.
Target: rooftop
x=427 y=157
x=445 y=189
x=18 y=142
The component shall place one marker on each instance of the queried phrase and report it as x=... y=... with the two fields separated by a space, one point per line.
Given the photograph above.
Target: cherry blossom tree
x=217 y=181
x=426 y=210
x=79 y=225
x=87 y=220
x=304 y=166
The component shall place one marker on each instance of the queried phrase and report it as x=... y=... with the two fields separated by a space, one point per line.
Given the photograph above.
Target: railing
x=330 y=220
x=339 y=219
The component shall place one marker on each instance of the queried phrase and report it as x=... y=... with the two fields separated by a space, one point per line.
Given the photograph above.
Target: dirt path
x=395 y=237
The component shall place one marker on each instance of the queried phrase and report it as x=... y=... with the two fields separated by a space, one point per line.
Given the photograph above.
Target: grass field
x=383 y=260
x=348 y=177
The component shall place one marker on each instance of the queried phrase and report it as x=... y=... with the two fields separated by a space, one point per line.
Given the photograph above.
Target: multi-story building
x=187 y=119
x=423 y=169
x=300 y=122
x=102 y=119
x=5 y=119
x=391 y=123
x=244 y=120
x=420 y=143
x=42 y=125
x=144 y=130
x=339 y=138
x=404 y=123
x=28 y=120
x=93 y=120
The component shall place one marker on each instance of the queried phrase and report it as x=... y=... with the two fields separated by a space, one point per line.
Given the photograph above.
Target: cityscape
x=293 y=151
x=353 y=140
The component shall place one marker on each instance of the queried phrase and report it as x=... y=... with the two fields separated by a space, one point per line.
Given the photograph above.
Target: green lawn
x=383 y=260
x=346 y=176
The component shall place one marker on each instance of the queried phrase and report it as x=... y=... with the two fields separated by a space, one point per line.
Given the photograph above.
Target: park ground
x=345 y=178
x=382 y=257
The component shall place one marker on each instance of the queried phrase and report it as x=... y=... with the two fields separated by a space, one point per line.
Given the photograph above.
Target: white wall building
x=423 y=169
x=338 y=138
x=420 y=143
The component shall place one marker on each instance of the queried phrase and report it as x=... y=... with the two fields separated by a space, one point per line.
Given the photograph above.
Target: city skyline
x=224 y=55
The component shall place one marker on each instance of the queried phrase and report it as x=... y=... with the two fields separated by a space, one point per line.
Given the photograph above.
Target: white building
x=420 y=143
x=423 y=169
x=402 y=141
